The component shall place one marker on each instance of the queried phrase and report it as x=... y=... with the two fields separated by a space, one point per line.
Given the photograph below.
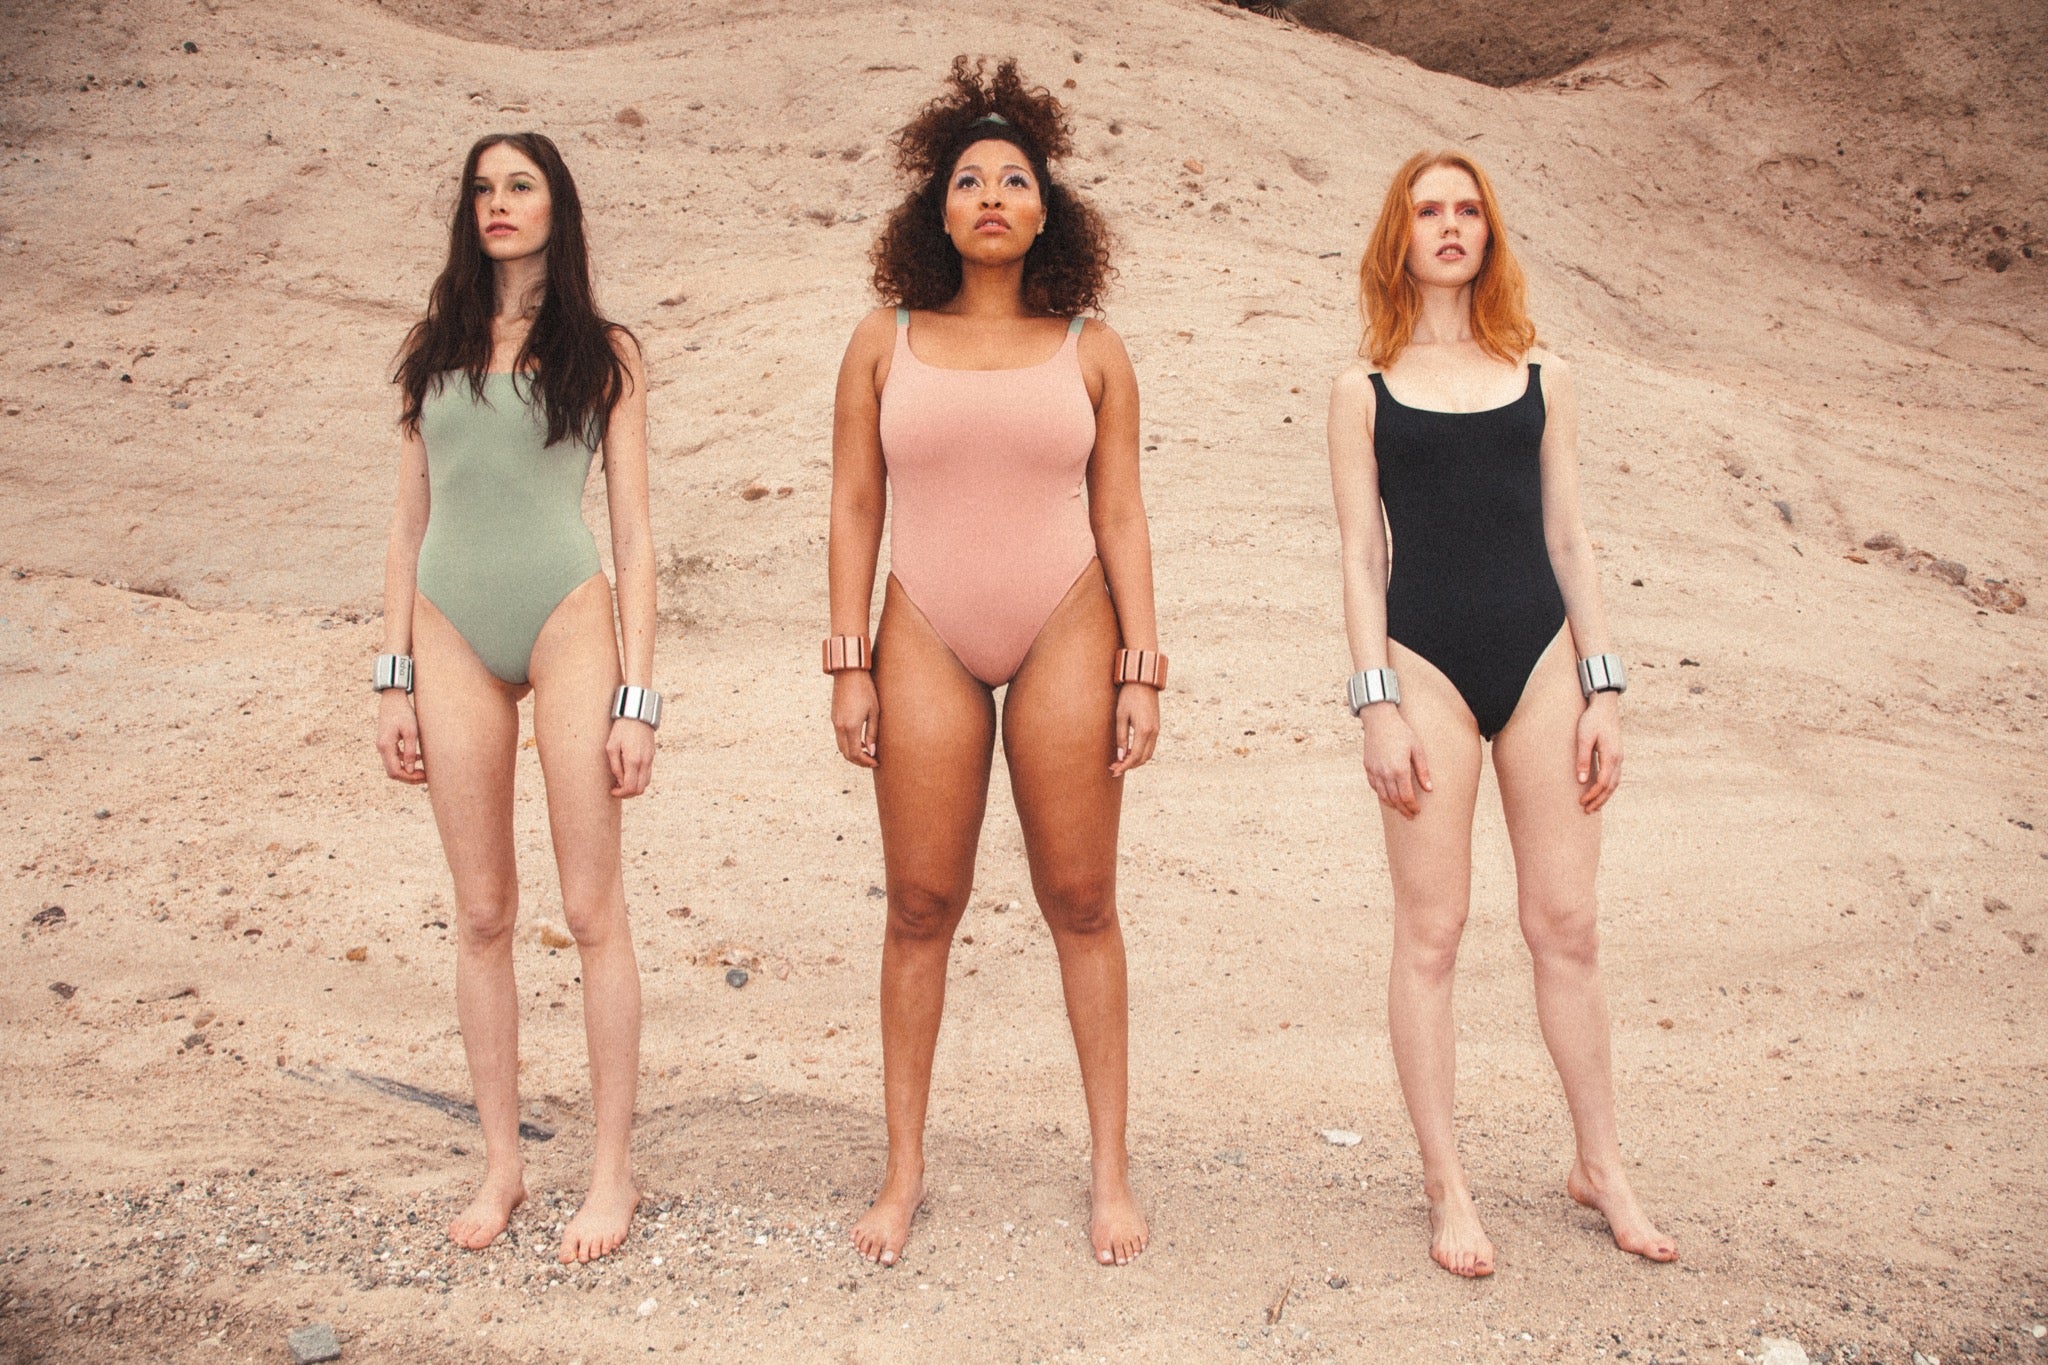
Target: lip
x=499 y=229
x=1450 y=251
x=989 y=221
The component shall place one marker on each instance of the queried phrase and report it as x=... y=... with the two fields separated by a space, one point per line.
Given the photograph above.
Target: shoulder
x=1101 y=340
x=1556 y=369
x=875 y=332
x=1353 y=386
x=625 y=346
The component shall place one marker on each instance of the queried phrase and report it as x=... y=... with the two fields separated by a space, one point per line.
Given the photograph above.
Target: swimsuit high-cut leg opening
x=1563 y=635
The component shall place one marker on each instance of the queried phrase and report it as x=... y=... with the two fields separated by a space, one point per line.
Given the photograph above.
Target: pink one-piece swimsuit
x=988 y=472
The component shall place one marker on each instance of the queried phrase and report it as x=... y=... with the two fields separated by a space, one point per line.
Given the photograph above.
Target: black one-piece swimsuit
x=1472 y=589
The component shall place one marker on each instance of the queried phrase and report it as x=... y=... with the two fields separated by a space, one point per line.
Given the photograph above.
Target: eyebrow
x=1007 y=166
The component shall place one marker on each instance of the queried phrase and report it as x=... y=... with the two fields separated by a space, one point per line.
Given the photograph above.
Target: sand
x=1826 y=879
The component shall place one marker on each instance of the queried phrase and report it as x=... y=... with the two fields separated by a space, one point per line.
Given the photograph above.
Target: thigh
x=1556 y=842
x=1430 y=855
x=1059 y=737
x=936 y=742
x=575 y=668
x=469 y=732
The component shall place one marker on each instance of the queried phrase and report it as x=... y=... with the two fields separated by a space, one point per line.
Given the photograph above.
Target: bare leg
x=1557 y=855
x=469 y=729
x=937 y=725
x=1058 y=737
x=1430 y=857
x=575 y=667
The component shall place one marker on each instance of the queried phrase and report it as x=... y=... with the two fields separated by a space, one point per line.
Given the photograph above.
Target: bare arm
x=398 y=735
x=1395 y=764
x=1578 y=580
x=1123 y=536
x=626 y=497
x=859 y=501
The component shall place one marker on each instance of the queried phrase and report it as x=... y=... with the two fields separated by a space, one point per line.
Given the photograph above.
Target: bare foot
x=1116 y=1225
x=1457 y=1239
x=1612 y=1198
x=601 y=1224
x=477 y=1226
x=885 y=1227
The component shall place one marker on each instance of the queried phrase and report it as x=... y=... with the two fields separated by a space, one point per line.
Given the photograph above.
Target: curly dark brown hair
x=915 y=263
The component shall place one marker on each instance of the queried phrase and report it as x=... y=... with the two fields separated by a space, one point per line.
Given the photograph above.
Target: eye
x=479 y=188
x=1470 y=211
x=1425 y=212
x=967 y=181
x=1016 y=180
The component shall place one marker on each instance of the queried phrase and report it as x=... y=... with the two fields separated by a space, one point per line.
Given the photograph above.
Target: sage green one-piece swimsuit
x=505 y=538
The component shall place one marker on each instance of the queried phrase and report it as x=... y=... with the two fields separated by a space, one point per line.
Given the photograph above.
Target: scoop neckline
x=1071 y=338
x=1528 y=385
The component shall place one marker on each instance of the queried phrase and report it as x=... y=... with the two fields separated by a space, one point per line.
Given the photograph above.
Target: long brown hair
x=569 y=349
x=915 y=263
x=1387 y=295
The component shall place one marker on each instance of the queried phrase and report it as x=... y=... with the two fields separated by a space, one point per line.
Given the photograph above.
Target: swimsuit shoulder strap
x=903 y=318
x=1074 y=327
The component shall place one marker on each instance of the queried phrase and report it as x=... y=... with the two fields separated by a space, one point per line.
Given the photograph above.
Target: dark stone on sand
x=312 y=1343
x=1885 y=540
x=47 y=916
x=736 y=978
x=1784 y=510
x=1949 y=571
x=64 y=989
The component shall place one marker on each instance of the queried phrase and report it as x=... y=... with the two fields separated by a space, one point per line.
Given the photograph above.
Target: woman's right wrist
x=848 y=654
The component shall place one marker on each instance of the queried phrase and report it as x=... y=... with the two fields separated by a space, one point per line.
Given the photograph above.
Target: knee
x=1561 y=932
x=1430 y=950
x=487 y=926
x=920 y=913
x=1080 y=907
x=592 y=919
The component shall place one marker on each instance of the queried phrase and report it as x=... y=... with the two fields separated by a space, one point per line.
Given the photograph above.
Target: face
x=1447 y=232
x=993 y=208
x=510 y=196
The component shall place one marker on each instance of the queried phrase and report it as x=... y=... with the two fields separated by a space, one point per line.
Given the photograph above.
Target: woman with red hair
x=1457 y=433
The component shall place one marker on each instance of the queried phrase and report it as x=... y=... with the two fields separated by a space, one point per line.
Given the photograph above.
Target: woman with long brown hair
x=492 y=592
x=987 y=404
x=1458 y=433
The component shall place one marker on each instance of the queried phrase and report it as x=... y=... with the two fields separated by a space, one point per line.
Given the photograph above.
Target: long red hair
x=1387 y=295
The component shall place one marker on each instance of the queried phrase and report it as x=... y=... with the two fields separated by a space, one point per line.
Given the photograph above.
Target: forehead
x=1444 y=184
x=992 y=152
x=502 y=159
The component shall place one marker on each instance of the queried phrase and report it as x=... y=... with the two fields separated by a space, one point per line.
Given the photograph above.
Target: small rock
x=679 y=912
x=2038 y=1331
x=193 y=1040
x=47 y=916
x=553 y=937
x=1338 y=1282
x=1781 y=1351
x=101 y=813
x=1667 y=1023
x=1949 y=571
x=192 y=47
x=646 y=1308
x=1919 y=1359
x=1341 y=1137
x=630 y=117
x=1998 y=595
x=361 y=954
x=315 y=1341
x=1193 y=166
x=1784 y=510
x=876 y=893
x=736 y=978
x=64 y=989
x=1994 y=906
x=1885 y=540
x=753 y=492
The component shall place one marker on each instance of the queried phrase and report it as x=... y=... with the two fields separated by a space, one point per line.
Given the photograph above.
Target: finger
x=1586 y=744
x=1421 y=763
x=1404 y=794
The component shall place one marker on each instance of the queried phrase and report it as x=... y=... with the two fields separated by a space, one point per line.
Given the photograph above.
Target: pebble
x=313 y=1342
x=2039 y=1331
x=102 y=813
x=553 y=937
x=1341 y=1137
x=65 y=990
x=1781 y=1351
x=646 y=1308
x=1949 y=571
x=1885 y=540
x=736 y=978
x=1784 y=510
x=47 y=916
x=1919 y=1359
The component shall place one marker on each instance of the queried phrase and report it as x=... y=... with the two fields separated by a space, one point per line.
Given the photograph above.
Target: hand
x=856 y=716
x=1394 y=761
x=1137 y=727
x=630 y=751
x=398 y=737
x=1599 y=750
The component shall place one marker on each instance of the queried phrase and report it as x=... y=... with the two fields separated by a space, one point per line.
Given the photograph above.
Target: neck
x=521 y=284
x=1446 y=316
x=990 y=291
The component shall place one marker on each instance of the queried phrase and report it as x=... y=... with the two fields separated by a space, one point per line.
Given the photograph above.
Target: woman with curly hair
x=1461 y=433
x=510 y=384
x=989 y=405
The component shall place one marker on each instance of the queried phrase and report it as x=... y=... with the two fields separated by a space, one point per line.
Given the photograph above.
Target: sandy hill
x=1825 y=880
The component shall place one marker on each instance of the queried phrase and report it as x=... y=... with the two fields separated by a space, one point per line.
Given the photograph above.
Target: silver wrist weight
x=1601 y=673
x=637 y=703
x=392 y=671
x=1372 y=685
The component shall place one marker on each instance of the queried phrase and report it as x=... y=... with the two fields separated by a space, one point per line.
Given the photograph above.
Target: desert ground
x=1796 y=258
